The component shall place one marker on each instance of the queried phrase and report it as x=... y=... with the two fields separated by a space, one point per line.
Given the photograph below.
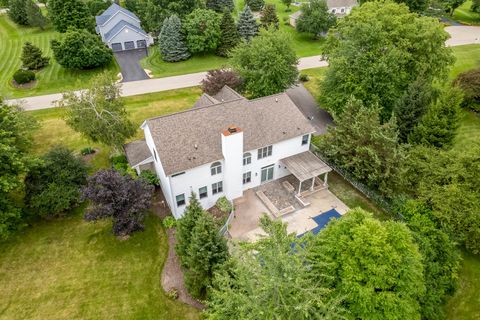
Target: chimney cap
x=232 y=129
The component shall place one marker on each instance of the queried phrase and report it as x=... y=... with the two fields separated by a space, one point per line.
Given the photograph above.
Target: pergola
x=305 y=166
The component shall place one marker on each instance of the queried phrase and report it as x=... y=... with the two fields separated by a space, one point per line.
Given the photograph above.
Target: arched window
x=247 y=158
x=216 y=168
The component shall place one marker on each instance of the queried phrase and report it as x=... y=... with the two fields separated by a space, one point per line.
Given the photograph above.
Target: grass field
x=51 y=79
x=464 y=15
x=303 y=44
x=72 y=269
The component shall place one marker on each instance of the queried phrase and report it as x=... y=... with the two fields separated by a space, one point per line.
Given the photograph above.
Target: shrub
x=224 y=205
x=150 y=177
x=172 y=294
x=218 y=78
x=87 y=151
x=303 y=77
x=169 y=222
x=469 y=82
x=23 y=76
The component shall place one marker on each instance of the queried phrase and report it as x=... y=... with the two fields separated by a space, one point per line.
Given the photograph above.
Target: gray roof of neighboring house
x=191 y=138
x=119 y=26
x=227 y=94
x=296 y=14
x=136 y=152
x=114 y=8
x=205 y=100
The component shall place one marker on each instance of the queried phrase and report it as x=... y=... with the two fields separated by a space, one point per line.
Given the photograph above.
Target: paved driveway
x=129 y=62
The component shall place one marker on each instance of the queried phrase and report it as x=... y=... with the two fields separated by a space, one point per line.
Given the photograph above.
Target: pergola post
x=325 y=180
x=313 y=184
x=299 y=187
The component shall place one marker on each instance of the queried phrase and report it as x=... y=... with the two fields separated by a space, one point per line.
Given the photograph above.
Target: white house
x=120 y=29
x=225 y=145
x=338 y=7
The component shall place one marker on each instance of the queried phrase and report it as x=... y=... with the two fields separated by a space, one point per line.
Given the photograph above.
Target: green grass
x=72 y=269
x=467 y=57
x=303 y=44
x=53 y=129
x=51 y=79
x=465 y=303
x=465 y=15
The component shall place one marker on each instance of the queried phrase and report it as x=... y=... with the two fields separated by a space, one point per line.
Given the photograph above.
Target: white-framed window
x=247 y=177
x=216 y=168
x=305 y=139
x=333 y=10
x=342 y=10
x=180 y=199
x=217 y=187
x=247 y=158
x=203 y=192
x=264 y=152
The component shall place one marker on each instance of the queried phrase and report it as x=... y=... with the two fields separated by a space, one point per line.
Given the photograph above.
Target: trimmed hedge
x=23 y=76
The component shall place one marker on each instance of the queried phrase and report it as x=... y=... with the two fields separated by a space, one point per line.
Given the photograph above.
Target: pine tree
x=220 y=5
x=66 y=14
x=185 y=227
x=32 y=57
x=17 y=11
x=269 y=17
x=255 y=5
x=206 y=253
x=230 y=37
x=247 y=26
x=35 y=16
x=172 y=41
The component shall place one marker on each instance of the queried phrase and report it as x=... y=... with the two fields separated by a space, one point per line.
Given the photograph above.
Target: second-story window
x=264 y=152
x=305 y=139
x=216 y=168
x=247 y=158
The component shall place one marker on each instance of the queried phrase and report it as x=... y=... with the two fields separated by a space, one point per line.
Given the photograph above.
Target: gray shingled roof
x=227 y=94
x=192 y=138
x=119 y=26
x=136 y=152
x=110 y=11
x=330 y=4
x=205 y=100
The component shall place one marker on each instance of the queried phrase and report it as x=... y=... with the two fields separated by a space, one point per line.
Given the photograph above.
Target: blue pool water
x=322 y=220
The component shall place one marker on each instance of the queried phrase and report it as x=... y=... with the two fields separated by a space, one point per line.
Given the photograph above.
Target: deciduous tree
x=120 y=197
x=35 y=16
x=374 y=266
x=53 y=186
x=220 y=5
x=287 y=3
x=267 y=64
x=376 y=52
x=218 y=78
x=269 y=17
x=247 y=26
x=98 y=113
x=32 y=57
x=315 y=18
x=65 y=14
x=80 y=49
x=172 y=41
x=229 y=37
x=469 y=82
x=202 y=28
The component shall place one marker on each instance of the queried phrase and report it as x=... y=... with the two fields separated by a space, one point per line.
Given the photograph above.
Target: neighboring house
x=225 y=145
x=338 y=7
x=120 y=29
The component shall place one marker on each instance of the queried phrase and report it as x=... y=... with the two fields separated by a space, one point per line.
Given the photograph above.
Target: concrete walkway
x=459 y=36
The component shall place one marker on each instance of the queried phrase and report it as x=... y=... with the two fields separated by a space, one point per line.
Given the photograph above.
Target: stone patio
x=249 y=209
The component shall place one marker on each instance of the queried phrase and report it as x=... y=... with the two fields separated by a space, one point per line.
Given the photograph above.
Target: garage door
x=129 y=45
x=141 y=44
x=116 y=47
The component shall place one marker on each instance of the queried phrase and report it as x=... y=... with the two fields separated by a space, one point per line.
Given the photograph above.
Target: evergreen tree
x=32 y=57
x=255 y=5
x=229 y=37
x=70 y=13
x=220 y=5
x=247 y=26
x=269 y=17
x=172 y=41
x=17 y=11
x=34 y=15
x=412 y=106
x=438 y=127
x=185 y=227
x=206 y=253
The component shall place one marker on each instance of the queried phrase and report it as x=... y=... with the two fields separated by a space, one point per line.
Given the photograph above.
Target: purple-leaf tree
x=120 y=197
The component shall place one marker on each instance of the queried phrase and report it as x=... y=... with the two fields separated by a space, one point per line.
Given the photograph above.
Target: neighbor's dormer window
x=216 y=168
x=247 y=158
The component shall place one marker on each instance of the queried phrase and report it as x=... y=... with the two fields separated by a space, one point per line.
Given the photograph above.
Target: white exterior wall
x=338 y=10
x=232 y=149
x=119 y=16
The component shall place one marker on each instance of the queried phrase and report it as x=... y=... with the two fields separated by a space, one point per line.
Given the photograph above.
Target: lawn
x=303 y=44
x=51 y=79
x=72 y=269
x=465 y=15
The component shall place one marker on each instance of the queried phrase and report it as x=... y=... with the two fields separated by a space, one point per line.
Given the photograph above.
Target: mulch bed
x=88 y=157
x=28 y=85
